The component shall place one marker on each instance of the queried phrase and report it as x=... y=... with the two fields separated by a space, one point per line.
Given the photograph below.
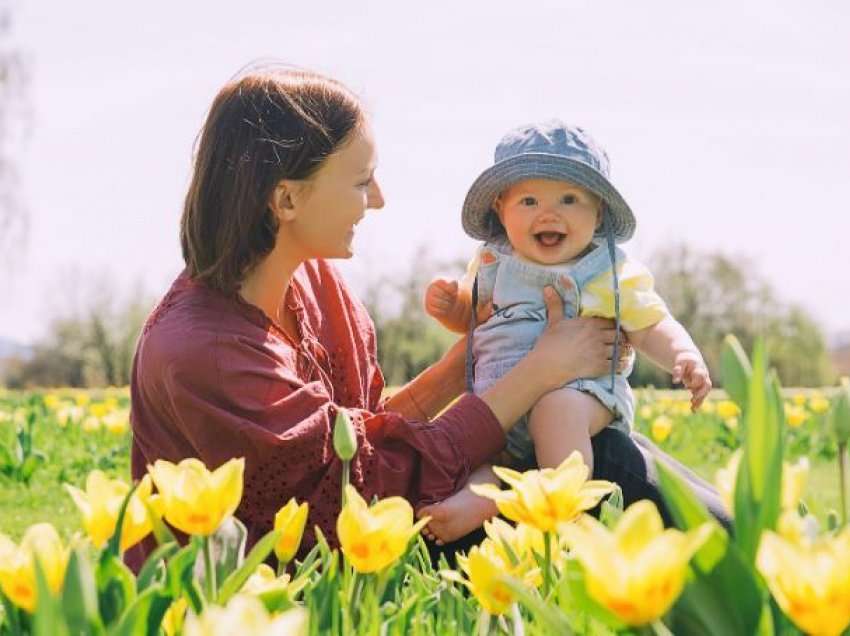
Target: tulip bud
x=345 y=438
x=839 y=417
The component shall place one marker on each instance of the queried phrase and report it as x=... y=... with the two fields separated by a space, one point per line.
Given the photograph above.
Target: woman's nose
x=374 y=197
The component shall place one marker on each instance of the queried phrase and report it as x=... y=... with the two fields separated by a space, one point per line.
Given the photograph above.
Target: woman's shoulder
x=193 y=326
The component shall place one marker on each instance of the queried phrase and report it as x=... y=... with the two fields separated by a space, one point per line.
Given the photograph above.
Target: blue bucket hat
x=548 y=150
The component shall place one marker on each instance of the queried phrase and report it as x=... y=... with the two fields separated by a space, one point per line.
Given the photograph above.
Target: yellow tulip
x=638 y=570
x=819 y=404
x=661 y=427
x=101 y=502
x=17 y=564
x=524 y=542
x=731 y=423
x=373 y=538
x=645 y=411
x=172 y=621
x=82 y=399
x=194 y=499
x=99 y=409
x=727 y=409
x=247 y=616
x=68 y=414
x=51 y=401
x=546 y=497
x=264 y=580
x=290 y=520
x=116 y=422
x=708 y=407
x=810 y=580
x=486 y=569
x=799 y=399
x=91 y=424
x=795 y=415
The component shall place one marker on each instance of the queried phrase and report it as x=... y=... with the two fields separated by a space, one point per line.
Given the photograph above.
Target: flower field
x=544 y=568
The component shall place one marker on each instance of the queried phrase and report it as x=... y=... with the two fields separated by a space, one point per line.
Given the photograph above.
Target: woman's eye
x=365 y=184
x=569 y=199
x=527 y=201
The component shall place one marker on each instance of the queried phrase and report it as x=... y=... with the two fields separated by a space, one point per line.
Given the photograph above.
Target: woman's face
x=327 y=207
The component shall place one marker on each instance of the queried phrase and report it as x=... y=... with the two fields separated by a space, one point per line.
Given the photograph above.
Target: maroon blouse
x=214 y=378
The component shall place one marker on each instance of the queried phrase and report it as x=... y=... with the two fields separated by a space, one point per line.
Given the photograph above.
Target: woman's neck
x=266 y=285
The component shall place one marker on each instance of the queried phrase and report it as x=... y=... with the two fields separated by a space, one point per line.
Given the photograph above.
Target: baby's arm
x=669 y=345
x=450 y=302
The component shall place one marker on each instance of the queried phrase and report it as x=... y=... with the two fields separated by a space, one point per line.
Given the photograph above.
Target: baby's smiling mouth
x=549 y=239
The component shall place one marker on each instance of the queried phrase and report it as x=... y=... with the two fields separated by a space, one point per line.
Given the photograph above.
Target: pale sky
x=727 y=125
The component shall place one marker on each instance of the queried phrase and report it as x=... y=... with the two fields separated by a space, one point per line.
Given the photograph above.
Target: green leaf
x=114 y=545
x=161 y=530
x=759 y=480
x=257 y=555
x=47 y=619
x=554 y=620
x=144 y=615
x=180 y=577
x=735 y=370
x=724 y=597
x=116 y=587
x=154 y=567
x=79 y=597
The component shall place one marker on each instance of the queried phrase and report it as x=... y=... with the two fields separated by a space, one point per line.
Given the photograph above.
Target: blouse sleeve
x=232 y=398
x=640 y=305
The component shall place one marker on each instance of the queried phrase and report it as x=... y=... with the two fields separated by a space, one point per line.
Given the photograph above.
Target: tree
x=409 y=340
x=14 y=117
x=713 y=294
x=90 y=346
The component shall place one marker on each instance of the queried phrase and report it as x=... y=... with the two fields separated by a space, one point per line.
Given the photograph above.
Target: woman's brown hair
x=266 y=125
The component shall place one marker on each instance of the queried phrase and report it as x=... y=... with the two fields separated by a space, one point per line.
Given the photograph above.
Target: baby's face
x=548 y=222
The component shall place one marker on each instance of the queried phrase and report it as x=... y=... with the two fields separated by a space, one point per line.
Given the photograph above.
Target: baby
x=549 y=217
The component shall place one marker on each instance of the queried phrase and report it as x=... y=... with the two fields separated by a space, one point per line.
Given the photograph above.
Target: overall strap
x=612 y=251
x=470 y=366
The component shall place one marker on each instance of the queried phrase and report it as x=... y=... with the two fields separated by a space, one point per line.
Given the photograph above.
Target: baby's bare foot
x=456 y=516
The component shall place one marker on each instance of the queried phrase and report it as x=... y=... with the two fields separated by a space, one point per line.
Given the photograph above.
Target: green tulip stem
x=346 y=469
x=842 y=483
x=209 y=570
x=547 y=571
x=660 y=629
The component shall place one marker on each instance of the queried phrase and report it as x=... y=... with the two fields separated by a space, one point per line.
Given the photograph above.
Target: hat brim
x=477 y=207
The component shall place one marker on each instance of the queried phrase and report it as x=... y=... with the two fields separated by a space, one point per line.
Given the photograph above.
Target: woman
x=259 y=341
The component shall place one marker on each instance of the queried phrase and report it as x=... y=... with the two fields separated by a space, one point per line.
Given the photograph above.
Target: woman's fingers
x=554 y=305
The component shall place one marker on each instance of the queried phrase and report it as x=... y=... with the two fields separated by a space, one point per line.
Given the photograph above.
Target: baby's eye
x=527 y=201
x=568 y=199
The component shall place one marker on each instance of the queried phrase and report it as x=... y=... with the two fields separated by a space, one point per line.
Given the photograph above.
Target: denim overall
x=519 y=318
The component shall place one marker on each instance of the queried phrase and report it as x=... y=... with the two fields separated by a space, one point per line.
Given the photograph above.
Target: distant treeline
x=712 y=294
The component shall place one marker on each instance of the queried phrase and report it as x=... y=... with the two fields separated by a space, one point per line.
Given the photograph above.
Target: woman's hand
x=567 y=350
x=575 y=348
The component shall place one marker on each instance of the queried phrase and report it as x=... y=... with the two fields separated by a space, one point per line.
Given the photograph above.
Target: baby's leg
x=461 y=513
x=564 y=420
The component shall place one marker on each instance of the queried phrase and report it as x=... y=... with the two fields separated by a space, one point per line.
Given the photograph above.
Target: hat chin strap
x=612 y=252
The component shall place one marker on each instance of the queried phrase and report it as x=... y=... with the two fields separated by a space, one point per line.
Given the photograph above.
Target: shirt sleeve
x=640 y=305
x=234 y=399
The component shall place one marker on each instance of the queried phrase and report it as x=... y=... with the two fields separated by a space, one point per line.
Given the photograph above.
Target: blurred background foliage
x=90 y=342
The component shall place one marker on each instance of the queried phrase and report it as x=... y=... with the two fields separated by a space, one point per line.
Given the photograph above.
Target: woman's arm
x=567 y=350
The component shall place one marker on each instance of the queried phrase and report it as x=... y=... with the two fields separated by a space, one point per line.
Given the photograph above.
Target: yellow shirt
x=640 y=305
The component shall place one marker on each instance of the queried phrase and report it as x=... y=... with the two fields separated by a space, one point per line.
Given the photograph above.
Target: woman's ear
x=282 y=201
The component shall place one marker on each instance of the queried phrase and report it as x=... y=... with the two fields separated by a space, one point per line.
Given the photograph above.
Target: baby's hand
x=689 y=369
x=441 y=297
